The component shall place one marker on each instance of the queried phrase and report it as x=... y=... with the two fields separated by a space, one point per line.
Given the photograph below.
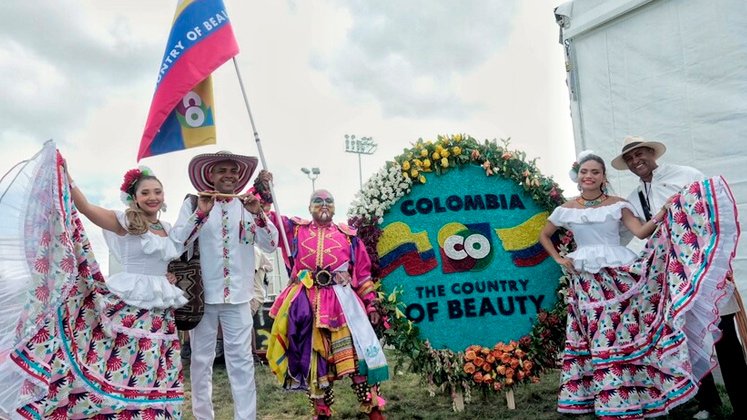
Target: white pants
x=236 y=323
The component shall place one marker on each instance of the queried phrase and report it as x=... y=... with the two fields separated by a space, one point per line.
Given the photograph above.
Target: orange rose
x=479 y=361
x=487 y=367
x=528 y=365
x=477 y=377
x=506 y=358
x=520 y=353
x=501 y=370
x=488 y=378
x=470 y=355
x=509 y=381
x=490 y=358
x=484 y=350
x=515 y=363
x=497 y=386
x=496 y=353
x=469 y=368
x=509 y=373
x=520 y=375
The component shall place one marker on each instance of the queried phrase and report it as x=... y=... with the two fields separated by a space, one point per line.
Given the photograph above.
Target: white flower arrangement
x=380 y=192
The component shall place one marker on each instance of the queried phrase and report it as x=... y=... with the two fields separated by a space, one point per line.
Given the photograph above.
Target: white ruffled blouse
x=144 y=259
x=596 y=232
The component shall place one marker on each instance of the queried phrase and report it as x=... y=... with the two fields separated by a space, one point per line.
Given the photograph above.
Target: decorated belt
x=319 y=278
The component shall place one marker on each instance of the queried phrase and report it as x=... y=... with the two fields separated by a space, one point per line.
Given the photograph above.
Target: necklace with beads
x=155 y=225
x=593 y=202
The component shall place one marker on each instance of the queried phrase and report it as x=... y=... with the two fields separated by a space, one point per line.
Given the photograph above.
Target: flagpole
x=281 y=229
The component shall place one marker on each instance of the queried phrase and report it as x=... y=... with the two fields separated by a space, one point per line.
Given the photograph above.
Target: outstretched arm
x=101 y=217
x=642 y=230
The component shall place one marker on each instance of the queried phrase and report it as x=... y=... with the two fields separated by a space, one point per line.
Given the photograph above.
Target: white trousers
x=236 y=323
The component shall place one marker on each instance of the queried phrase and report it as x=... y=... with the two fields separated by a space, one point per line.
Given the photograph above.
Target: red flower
x=130 y=178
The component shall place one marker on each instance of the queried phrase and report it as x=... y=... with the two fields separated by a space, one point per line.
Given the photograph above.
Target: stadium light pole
x=312 y=173
x=361 y=146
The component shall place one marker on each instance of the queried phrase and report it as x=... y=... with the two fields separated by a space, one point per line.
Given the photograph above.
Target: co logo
x=457 y=247
x=465 y=247
x=193 y=113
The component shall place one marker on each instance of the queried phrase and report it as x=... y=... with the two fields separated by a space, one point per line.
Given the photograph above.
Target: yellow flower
x=407 y=175
x=444 y=162
x=436 y=156
x=414 y=173
x=422 y=179
x=406 y=165
x=445 y=153
x=456 y=150
x=417 y=162
x=457 y=138
x=427 y=163
x=424 y=153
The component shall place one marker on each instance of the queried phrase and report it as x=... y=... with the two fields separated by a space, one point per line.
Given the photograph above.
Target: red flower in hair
x=130 y=178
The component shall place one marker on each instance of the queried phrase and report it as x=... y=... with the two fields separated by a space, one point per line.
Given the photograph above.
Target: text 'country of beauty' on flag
x=181 y=113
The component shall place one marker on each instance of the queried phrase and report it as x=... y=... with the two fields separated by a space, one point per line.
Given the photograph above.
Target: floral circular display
x=487 y=368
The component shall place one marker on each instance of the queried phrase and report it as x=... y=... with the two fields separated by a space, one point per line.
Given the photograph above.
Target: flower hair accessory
x=131 y=177
x=573 y=173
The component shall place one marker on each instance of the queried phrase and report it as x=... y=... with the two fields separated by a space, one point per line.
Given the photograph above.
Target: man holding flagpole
x=182 y=116
x=228 y=226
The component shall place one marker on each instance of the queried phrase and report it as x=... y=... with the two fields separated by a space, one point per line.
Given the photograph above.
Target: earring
x=163 y=207
x=158 y=215
x=603 y=188
x=578 y=186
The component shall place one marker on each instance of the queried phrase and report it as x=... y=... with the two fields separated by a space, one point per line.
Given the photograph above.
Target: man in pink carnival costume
x=323 y=318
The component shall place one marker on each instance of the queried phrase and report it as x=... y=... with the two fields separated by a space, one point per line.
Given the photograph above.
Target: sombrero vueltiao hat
x=633 y=142
x=201 y=165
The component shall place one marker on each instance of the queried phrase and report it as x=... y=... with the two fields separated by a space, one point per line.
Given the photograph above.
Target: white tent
x=668 y=70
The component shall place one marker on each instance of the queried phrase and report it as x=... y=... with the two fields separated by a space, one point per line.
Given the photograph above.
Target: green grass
x=407 y=398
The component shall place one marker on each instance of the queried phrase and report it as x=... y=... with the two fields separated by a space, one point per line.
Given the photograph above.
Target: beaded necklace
x=155 y=226
x=593 y=202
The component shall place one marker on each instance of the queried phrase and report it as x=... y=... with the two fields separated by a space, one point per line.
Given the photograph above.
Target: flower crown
x=573 y=173
x=131 y=177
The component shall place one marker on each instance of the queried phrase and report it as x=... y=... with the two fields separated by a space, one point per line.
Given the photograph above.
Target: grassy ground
x=407 y=398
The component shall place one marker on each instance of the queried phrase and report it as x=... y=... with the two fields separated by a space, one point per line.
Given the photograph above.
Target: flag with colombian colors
x=182 y=112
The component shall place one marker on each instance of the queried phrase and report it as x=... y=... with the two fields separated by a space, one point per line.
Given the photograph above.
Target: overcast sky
x=83 y=73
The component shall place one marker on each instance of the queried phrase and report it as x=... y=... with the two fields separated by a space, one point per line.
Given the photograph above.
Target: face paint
x=322 y=207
